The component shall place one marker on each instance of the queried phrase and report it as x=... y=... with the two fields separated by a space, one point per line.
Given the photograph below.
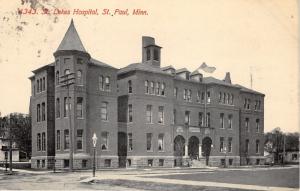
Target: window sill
x=149 y=151
x=106 y=121
x=149 y=123
x=80 y=118
x=162 y=151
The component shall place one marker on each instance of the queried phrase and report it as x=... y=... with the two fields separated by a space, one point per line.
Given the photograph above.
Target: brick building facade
x=143 y=114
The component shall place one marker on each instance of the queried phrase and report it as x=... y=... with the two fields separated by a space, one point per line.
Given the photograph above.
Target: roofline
x=41 y=68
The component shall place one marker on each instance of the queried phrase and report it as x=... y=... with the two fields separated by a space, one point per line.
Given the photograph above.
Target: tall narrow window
x=228 y=99
x=208 y=119
x=200 y=119
x=245 y=103
x=41 y=85
x=230 y=121
x=175 y=92
x=151 y=87
x=163 y=87
x=79 y=77
x=79 y=139
x=57 y=78
x=257 y=146
x=38 y=86
x=187 y=118
x=107 y=83
x=79 y=107
x=146 y=87
x=38 y=112
x=104 y=113
x=65 y=106
x=257 y=125
x=57 y=108
x=222 y=120
x=157 y=88
x=259 y=105
x=130 y=113
x=38 y=141
x=198 y=96
x=58 y=140
x=221 y=144
x=189 y=95
x=66 y=139
x=247 y=124
x=104 y=141
x=208 y=97
x=130 y=145
x=43 y=142
x=220 y=97
x=184 y=94
x=230 y=144
x=44 y=84
x=248 y=104
x=224 y=98
x=160 y=142
x=101 y=83
x=202 y=97
x=129 y=86
x=247 y=146
x=174 y=116
x=149 y=114
x=43 y=111
x=160 y=114
x=231 y=100
x=149 y=141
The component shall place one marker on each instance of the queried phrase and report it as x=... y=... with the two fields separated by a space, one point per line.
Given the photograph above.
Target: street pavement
x=275 y=178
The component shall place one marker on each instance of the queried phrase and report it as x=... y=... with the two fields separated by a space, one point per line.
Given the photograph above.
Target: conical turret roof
x=71 y=40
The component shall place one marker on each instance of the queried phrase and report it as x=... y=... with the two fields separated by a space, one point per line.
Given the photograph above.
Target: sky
x=237 y=36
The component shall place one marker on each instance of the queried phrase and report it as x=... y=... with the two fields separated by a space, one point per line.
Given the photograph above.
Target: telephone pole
x=68 y=80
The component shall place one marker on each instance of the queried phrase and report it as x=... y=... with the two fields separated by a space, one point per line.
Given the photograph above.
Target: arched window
x=67 y=71
x=129 y=86
x=57 y=108
x=151 y=87
x=101 y=83
x=163 y=87
x=37 y=86
x=44 y=83
x=79 y=77
x=146 y=87
x=107 y=83
x=257 y=146
x=41 y=85
x=57 y=77
x=157 y=88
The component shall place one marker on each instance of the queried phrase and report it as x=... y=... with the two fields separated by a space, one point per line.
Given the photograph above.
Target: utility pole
x=10 y=145
x=68 y=80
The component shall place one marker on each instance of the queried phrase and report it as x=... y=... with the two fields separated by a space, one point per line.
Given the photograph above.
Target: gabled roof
x=212 y=80
x=244 y=89
x=167 y=68
x=142 y=67
x=71 y=40
x=195 y=73
x=42 y=68
x=181 y=70
x=99 y=63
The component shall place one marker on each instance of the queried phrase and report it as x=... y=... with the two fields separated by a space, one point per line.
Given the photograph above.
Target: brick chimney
x=227 y=78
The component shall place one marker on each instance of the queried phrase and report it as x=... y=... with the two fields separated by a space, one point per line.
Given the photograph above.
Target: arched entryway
x=206 y=148
x=179 y=143
x=122 y=149
x=193 y=147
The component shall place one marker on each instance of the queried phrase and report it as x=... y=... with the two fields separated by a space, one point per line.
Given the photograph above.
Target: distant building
x=143 y=114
